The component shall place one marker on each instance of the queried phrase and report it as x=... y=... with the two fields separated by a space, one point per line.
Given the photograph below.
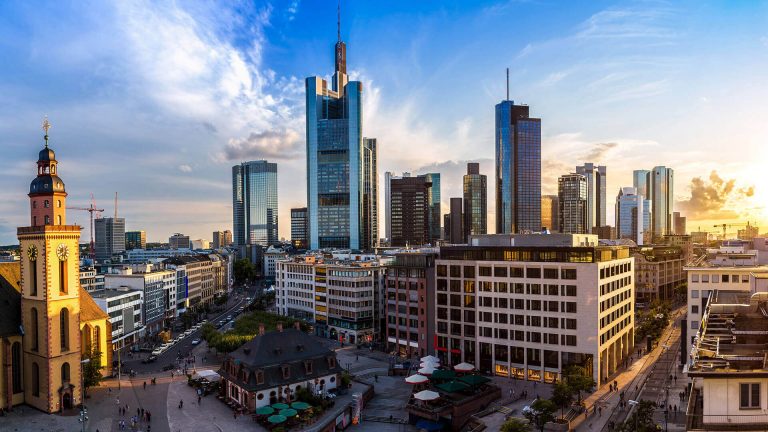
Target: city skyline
x=169 y=117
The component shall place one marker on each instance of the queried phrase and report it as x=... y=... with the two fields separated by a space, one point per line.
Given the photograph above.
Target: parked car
x=195 y=341
x=169 y=366
x=149 y=359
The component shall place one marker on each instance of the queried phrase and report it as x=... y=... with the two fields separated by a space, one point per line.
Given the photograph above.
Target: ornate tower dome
x=46 y=192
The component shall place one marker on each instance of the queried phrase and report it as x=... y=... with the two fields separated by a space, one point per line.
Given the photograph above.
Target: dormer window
x=331 y=362
x=286 y=371
x=308 y=367
x=259 y=377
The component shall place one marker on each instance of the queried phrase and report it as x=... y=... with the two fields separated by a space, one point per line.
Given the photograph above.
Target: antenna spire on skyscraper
x=507 y=83
x=338 y=21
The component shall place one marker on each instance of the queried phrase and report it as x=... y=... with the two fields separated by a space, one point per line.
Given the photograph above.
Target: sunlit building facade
x=254 y=203
x=475 y=201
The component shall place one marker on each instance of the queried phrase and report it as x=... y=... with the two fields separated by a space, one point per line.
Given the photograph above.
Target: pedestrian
x=357 y=357
x=138 y=412
x=198 y=399
x=235 y=414
x=145 y=385
x=142 y=413
x=599 y=411
x=149 y=416
x=615 y=384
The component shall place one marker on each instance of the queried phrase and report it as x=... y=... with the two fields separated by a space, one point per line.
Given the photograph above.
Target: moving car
x=149 y=359
x=195 y=341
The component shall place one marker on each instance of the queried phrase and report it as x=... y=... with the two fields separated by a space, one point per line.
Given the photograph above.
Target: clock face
x=62 y=252
x=32 y=253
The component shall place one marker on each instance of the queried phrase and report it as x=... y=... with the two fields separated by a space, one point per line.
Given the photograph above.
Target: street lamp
x=83 y=411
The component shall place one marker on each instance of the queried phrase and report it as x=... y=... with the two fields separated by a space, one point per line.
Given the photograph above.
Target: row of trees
x=652 y=321
x=245 y=329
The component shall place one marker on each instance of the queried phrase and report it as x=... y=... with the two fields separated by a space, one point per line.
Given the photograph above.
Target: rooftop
x=733 y=336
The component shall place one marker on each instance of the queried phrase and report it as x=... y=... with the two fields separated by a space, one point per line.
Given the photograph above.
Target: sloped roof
x=89 y=310
x=10 y=299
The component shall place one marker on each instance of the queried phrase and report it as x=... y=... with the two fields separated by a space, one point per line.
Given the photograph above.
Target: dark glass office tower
x=572 y=194
x=254 y=203
x=410 y=211
x=434 y=206
x=456 y=221
x=518 y=169
x=340 y=208
x=475 y=201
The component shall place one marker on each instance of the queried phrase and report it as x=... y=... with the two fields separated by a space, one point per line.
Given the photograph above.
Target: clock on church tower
x=50 y=302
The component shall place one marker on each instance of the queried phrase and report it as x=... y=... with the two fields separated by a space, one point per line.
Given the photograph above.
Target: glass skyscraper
x=254 y=203
x=340 y=202
x=435 y=211
x=475 y=201
x=596 y=194
x=661 y=189
x=518 y=169
x=632 y=215
x=572 y=194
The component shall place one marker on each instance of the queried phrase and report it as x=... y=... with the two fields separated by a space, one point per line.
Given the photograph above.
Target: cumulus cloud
x=185 y=168
x=714 y=198
x=270 y=144
x=599 y=150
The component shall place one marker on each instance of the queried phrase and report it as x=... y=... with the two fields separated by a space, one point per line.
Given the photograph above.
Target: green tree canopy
x=641 y=419
x=541 y=412
x=243 y=271
x=515 y=425
x=92 y=369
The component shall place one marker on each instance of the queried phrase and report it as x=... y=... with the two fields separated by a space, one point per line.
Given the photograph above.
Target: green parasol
x=301 y=406
x=265 y=410
x=288 y=412
x=276 y=419
x=452 y=386
x=280 y=406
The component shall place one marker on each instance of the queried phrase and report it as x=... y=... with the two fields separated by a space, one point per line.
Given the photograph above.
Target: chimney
x=296 y=325
x=280 y=327
x=261 y=329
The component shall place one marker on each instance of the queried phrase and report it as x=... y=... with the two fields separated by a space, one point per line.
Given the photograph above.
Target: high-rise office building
x=299 y=226
x=475 y=201
x=596 y=193
x=434 y=206
x=572 y=194
x=640 y=181
x=632 y=215
x=456 y=220
x=135 y=240
x=337 y=160
x=370 y=196
x=679 y=223
x=179 y=241
x=518 y=169
x=110 y=237
x=254 y=203
x=388 y=176
x=550 y=212
x=661 y=189
x=410 y=211
x=222 y=239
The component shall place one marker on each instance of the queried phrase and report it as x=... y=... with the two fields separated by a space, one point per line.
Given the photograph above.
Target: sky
x=157 y=100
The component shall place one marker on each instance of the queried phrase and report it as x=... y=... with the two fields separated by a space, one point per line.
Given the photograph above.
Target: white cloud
x=185 y=168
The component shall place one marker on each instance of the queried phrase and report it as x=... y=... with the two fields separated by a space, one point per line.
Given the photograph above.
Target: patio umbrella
x=275 y=419
x=443 y=374
x=452 y=386
x=417 y=379
x=280 y=406
x=430 y=358
x=426 y=395
x=301 y=406
x=288 y=412
x=265 y=410
x=474 y=380
x=464 y=367
x=427 y=370
x=432 y=364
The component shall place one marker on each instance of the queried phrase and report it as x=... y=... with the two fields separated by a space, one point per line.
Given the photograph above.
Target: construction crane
x=726 y=226
x=91 y=210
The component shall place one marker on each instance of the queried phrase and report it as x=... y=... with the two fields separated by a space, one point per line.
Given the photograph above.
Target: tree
x=576 y=378
x=540 y=413
x=515 y=425
x=562 y=395
x=243 y=271
x=641 y=419
x=91 y=369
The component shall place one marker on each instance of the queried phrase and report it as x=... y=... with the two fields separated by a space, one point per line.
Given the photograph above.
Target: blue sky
x=156 y=100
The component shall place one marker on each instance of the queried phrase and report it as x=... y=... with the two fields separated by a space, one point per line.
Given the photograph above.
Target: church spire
x=46 y=126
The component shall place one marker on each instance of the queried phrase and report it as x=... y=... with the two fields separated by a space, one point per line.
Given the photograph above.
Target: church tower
x=50 y=297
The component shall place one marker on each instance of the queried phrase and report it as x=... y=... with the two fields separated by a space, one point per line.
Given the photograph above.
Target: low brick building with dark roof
x=273 y=366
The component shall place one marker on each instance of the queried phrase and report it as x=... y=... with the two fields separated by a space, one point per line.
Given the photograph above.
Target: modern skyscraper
x=632 y=215
x=550 y=212
x=254 y=203
x=388 y=176
x=572 y=194
x=475 y=201
x=518 y=169
x=679 y=223
x=640 y=181
x=222 y=239
x=410 y=211
x=435 y=210
x=299 y=227
x=661 y=188
x=110 y=237
x=337 y=161
x=135 y=240
x=457 y=222
x=370 y=205
x=596 y=193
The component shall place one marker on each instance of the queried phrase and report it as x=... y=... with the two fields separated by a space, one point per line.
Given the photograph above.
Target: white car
x=157 y=352
x=195 y=341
